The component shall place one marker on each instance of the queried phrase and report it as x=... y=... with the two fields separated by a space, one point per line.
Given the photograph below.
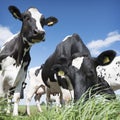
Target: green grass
x=96 y=108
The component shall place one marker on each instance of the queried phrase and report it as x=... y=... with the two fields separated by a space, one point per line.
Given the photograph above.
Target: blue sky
x=96 y=21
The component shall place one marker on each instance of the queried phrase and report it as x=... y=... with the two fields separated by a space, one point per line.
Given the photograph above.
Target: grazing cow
x=73 y=67
x=14 y=55
x=111 y=73
x=38 y=88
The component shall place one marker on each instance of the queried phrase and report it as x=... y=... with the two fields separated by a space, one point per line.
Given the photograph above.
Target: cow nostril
x=42 y=33
x=37 y=32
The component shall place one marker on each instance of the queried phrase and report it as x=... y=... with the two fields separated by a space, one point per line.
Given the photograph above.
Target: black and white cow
x=67 y=50
x=111 y=73
x=14 y=55
x=73 y=66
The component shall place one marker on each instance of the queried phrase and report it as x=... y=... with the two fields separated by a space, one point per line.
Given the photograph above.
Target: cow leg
x=16 y=98
x=28 y=99
x=37 y=100
x=1 y=86
x=61 y=98
x=47 y=98
x=16 y=102
x=58 y=101
x=9 y=104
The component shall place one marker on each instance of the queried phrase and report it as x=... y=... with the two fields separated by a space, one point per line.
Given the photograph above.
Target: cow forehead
x=77 y=62
x=35 y=14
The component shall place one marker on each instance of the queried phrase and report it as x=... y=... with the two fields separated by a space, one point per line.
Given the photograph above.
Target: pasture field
x=96 y=108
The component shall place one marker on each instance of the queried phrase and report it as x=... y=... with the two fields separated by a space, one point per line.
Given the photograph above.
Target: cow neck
x=23 y=49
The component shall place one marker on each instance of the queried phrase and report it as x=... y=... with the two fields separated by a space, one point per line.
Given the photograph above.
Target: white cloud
x=5 y=33
x=95 y=46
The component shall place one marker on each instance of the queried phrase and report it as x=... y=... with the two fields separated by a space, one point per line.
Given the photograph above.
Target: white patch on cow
x=35 y=81
x=25 y=51
x=77 y=62
x=12 y=75
x=25 y=40
x=37 y=16
x=111 y=73
x=9 y=73
x=55 y=76
x=66 y=38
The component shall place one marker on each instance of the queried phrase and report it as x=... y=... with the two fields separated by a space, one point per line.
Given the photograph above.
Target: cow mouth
x=38 y=38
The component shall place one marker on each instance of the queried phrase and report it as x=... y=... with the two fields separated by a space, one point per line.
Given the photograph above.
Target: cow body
x=14 y=55
x=111 y=73
x=72 y=66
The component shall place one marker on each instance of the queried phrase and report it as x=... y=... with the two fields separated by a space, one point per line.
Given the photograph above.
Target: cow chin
x=37 y=40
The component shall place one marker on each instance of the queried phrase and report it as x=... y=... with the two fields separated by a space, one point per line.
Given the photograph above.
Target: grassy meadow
x=96 y=108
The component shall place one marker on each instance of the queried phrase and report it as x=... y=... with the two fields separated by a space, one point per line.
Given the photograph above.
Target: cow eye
x=26 y=17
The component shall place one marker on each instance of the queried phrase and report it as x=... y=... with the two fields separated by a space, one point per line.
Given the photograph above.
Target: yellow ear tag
x=106 y=60
x=61 y=73
x=50 y=23
x=15 y=15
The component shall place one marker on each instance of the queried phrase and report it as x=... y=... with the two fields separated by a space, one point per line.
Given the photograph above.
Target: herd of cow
x=70 y=69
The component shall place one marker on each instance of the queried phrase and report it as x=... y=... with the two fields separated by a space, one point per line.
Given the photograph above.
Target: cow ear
x=106 y=57
x=50 y=21
x=15 y=12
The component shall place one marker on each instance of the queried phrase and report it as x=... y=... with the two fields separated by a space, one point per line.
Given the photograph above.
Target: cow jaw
x=37 y=40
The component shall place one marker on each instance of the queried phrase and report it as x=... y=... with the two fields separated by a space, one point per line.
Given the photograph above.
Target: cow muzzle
x=38 y=36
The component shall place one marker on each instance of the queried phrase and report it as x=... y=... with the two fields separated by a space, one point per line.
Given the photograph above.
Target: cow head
x=82 y=73
x=33 y=22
